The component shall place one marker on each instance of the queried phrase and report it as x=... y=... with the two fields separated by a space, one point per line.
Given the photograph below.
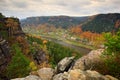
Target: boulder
x=46 y=73
x=18 y=79
x=78 y=74
x=64 y=65
x=30 y=77
x=110 y=77
x=89 y=61
x=93 y=75
x=75 y=74
x=61 y=76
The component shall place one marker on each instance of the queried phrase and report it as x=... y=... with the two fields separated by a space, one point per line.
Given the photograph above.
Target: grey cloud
x=2 y=1
x=116 y=2
x=19 y=4
x=98 y=0
x=62 y=4
x=24 y=8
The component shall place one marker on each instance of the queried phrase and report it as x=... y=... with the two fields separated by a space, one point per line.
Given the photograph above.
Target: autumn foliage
x=95 y=38
x=76 y=30
x=117 y=24
x=12 y=26
x=24 y=44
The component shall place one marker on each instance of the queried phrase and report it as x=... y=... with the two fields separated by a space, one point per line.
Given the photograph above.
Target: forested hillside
x=95 y=23
x=102 y=23
x=57 y=21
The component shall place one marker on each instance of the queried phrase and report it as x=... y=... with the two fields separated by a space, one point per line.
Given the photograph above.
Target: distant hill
x=102 y=23
x=57 y=21
x=96 y=23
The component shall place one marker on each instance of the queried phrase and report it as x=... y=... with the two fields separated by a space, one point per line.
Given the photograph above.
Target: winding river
x=79 y=49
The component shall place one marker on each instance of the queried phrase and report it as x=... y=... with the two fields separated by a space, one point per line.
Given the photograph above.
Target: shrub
x=33 y=66
x=55 y=52
x=58 y=52
x=113 y=54
x=19 y=65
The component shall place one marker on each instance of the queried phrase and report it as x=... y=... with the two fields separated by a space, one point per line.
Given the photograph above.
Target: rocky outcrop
x=13 y=27
x=9 y=28
x=70 y=74
x=78 y=74
x=4 y=54
x=46 y=73
x=30 y=77
x=89 y=61
x=64 y=65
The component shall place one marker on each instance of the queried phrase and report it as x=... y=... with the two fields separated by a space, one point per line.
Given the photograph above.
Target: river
x=79 y=49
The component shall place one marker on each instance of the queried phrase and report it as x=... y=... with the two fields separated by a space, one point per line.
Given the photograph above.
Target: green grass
x=79 y=44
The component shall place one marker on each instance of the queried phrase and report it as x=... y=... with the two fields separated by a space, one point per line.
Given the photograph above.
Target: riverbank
x=69 y=41
x=78 y=47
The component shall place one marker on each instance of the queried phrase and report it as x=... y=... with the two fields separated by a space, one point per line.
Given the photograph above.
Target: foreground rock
x=30 y=77
x=75 y=74
x=46 y=73
x=69 y=74
x=78 y=74
x=65 y=64
x=89 y=61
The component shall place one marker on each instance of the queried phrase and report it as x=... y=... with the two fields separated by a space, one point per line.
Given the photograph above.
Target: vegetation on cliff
x=54 y=51
x=113 y=54
x=19 y=65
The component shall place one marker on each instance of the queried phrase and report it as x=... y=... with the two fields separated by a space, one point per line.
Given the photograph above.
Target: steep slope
x=102 y=23
x=9 y=29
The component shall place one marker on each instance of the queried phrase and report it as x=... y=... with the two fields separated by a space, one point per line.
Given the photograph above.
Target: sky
x=27 y=8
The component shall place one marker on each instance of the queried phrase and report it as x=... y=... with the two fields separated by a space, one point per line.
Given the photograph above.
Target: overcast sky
x=26 y=8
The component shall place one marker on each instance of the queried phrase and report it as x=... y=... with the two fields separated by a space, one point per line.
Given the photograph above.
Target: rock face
x=9 y=28
x=4 y=54
x=30 y=77
x=75 y=74
x=46 y=73
x=4 y=47
x=41 y=74
x=65 y=64
x=13 y=27
x=40 y=57
x=78 y=74
x=89 y=61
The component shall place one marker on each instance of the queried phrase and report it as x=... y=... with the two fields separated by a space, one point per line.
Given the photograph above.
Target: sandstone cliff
x=9 y=28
